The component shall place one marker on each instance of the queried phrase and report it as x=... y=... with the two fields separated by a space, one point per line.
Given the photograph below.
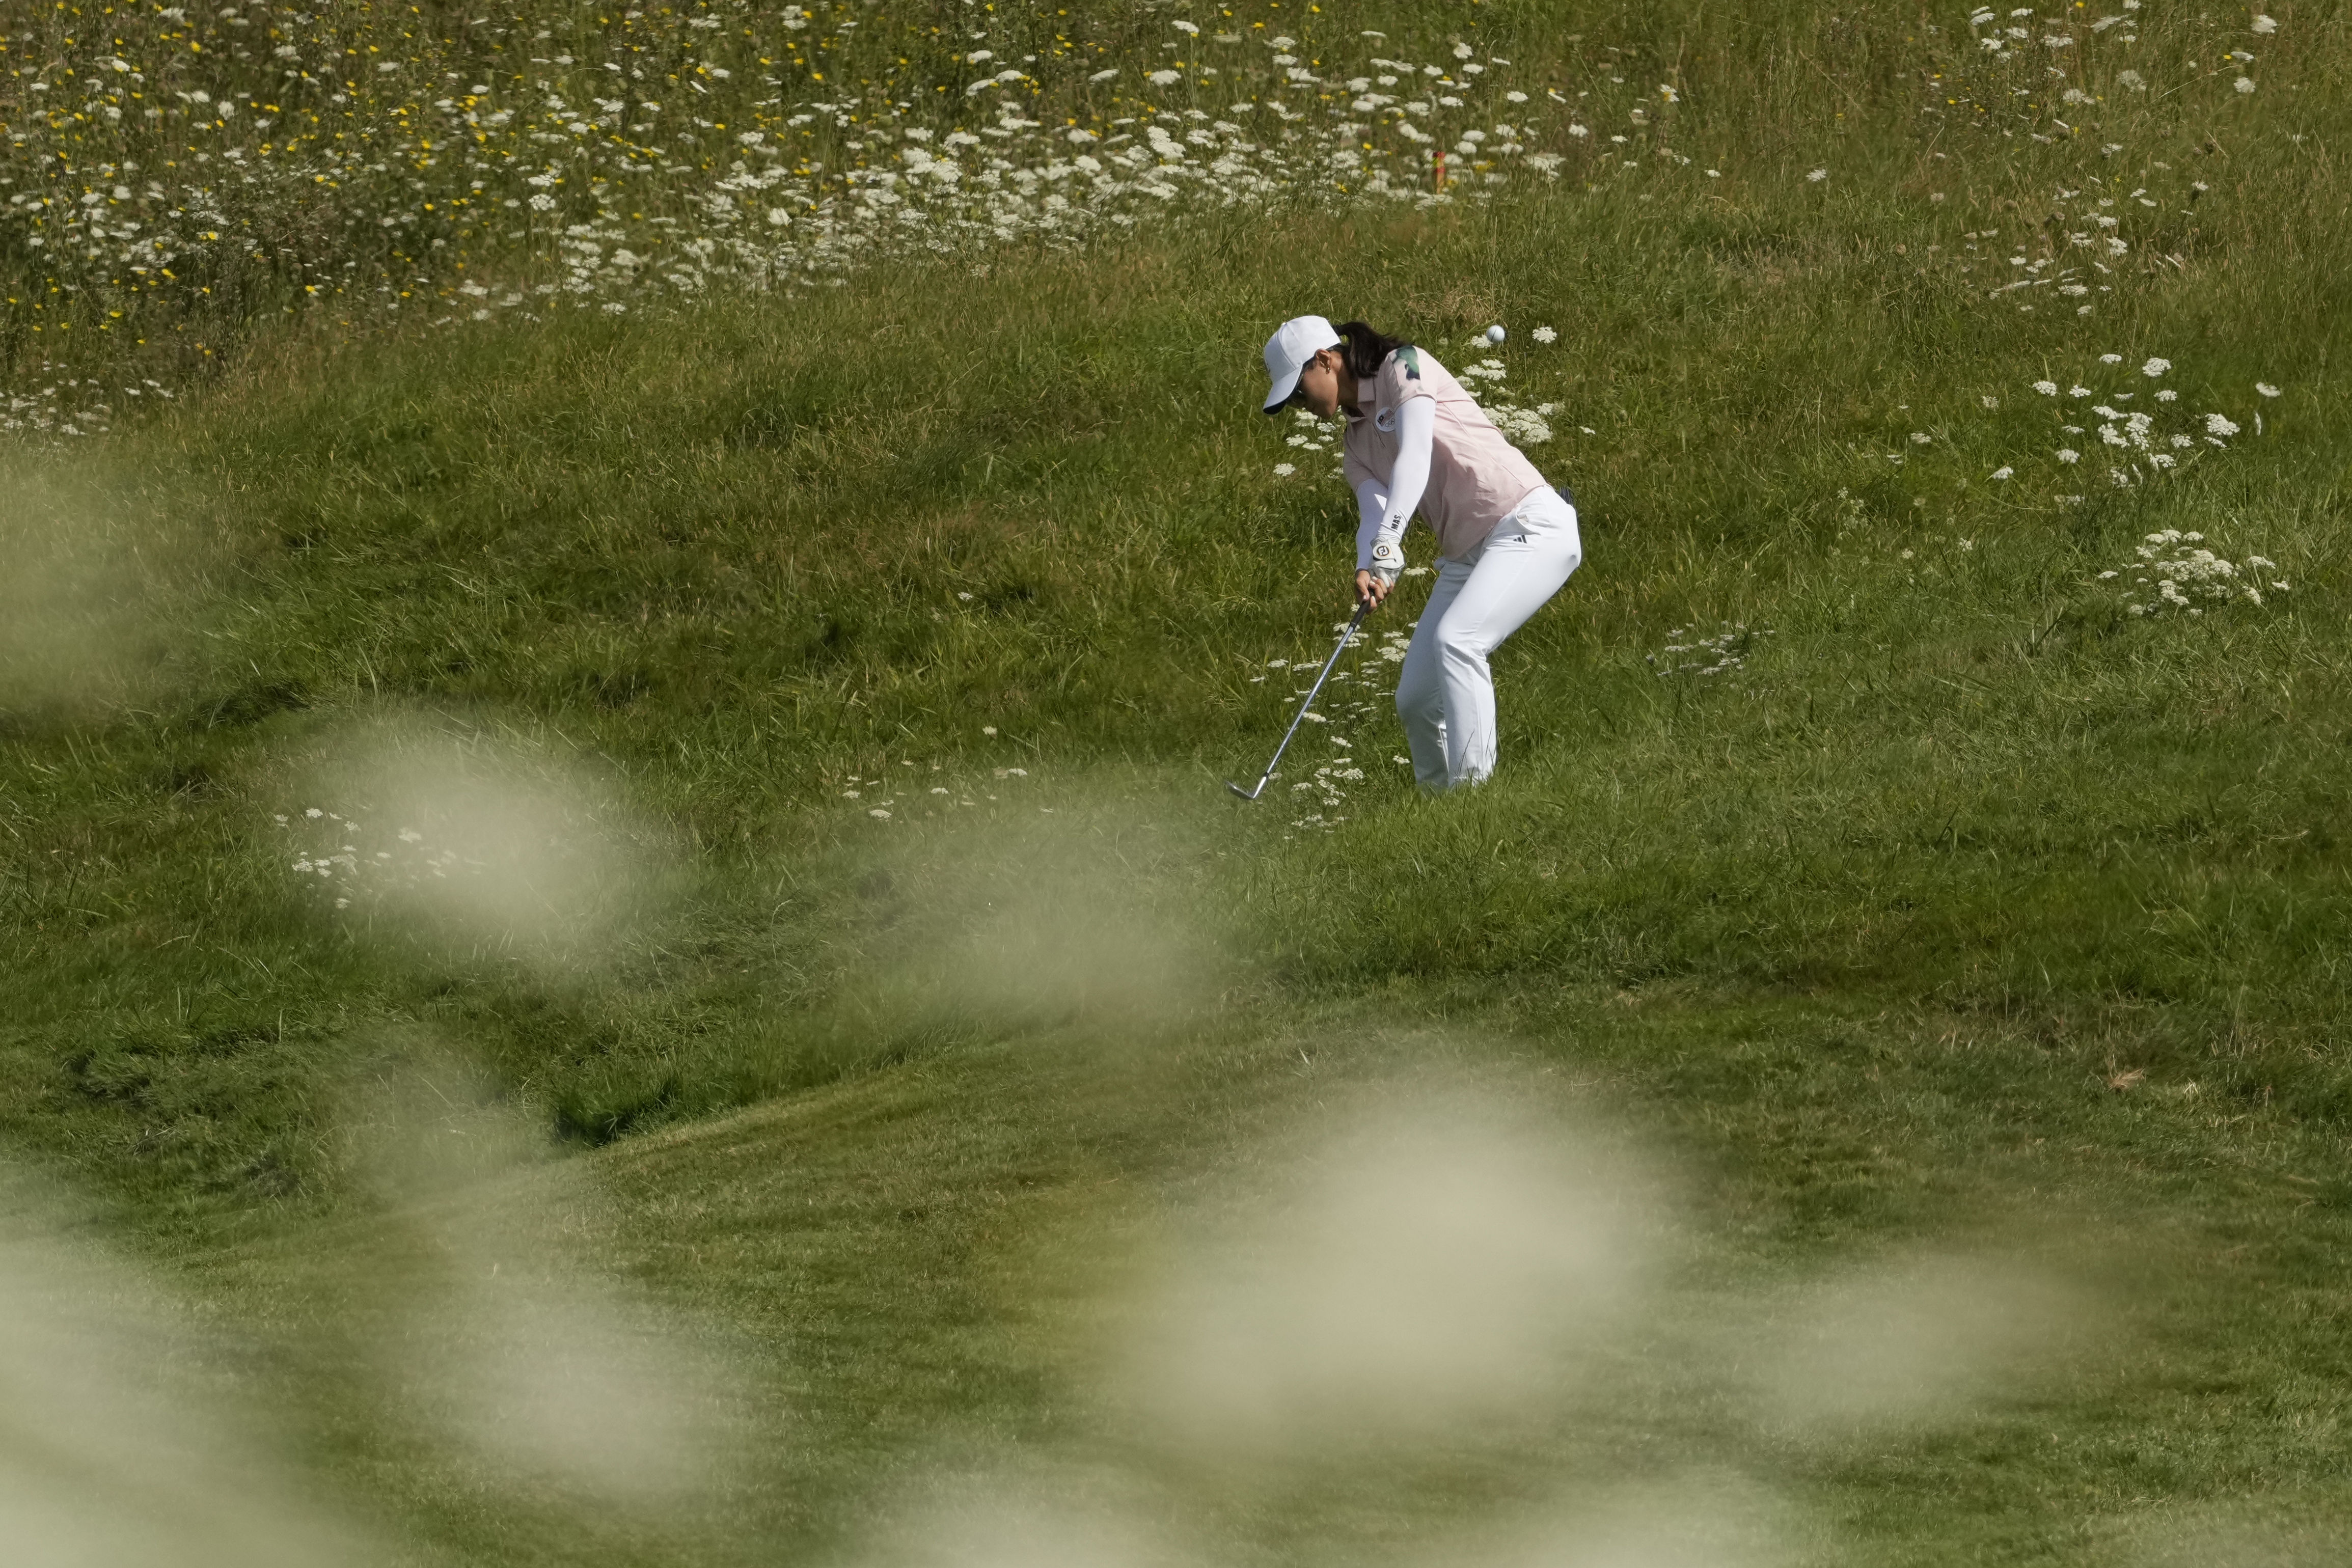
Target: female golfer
x=1505 y=539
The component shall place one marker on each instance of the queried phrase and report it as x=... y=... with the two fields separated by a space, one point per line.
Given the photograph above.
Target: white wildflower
x=2244 y=84
x=1817 y=176
x=2047 y=389
x=2003 y=472
x=2220 y=424
x=2068 y=455
x=2266 y=388
x=1285 y=470
x=2155 y=367
x=1546 y=335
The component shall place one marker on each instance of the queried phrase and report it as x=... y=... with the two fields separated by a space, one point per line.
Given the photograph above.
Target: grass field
x=622 y=939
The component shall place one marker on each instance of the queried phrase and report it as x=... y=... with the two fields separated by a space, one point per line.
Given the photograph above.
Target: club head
x=1244 y=794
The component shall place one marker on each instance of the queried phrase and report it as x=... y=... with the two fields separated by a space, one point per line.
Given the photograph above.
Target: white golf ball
x=1494 y=334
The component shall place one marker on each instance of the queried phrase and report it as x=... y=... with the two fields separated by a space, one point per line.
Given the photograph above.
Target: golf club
x=1363 y=609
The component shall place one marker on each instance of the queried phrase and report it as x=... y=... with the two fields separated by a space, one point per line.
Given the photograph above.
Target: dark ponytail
x=1363 y=351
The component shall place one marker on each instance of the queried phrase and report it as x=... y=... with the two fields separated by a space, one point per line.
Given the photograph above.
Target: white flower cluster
x=1313 y=435
x=162 y=152
x=347 y=859
x=2045 y=88
x=2138 y=444
x=1326 y=785
x=2178 y=572
x=879 y=795
x=1522 y=427
x=1687 y=652
x=71 y=406
x=1361 y=691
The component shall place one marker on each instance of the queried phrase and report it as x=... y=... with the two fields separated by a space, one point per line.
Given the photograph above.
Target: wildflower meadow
x=622 y=630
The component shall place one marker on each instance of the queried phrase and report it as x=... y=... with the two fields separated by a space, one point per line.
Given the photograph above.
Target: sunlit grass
x=815 y=700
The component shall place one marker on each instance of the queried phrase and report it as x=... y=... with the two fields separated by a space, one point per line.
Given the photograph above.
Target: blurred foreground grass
x=823 y=703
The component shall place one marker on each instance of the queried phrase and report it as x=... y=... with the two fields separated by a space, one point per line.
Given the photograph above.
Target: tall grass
x=178 y=178
x=429 y=744
x=739 y=560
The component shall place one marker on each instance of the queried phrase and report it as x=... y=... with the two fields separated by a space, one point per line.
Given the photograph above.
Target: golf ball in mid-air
x=1494 y=334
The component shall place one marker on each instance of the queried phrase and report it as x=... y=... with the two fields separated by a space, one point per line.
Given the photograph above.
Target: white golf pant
x=1446 y=694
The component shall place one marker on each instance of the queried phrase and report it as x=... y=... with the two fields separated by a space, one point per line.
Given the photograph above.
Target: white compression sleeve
x=1416 y=428
x=1372 y=511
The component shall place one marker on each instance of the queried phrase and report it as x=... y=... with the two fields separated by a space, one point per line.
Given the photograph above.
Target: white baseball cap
x=1294 y=343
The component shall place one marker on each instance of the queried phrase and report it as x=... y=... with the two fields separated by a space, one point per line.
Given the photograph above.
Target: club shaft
x=1307 y=702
